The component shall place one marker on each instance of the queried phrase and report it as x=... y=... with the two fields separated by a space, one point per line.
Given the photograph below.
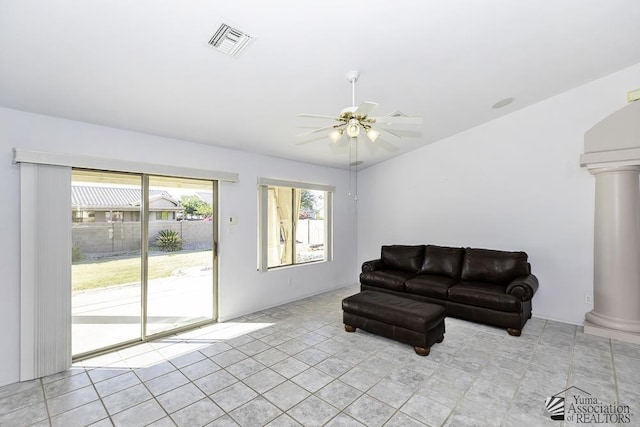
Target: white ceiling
x=145 y=65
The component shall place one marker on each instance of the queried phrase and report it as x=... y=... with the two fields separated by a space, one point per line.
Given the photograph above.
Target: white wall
x=242 y=288
x=514 y=184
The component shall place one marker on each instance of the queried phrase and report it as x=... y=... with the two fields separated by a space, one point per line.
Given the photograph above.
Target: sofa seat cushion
x=430 y=285
x=485 y=295
x=388 y=279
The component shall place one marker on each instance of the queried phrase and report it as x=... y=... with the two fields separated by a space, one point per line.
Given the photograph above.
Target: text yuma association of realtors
x=590 y=410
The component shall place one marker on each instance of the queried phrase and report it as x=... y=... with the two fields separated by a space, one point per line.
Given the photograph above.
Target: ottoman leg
x=514 y=332
x=421 y=351
x=349 y=328
x=440 y=339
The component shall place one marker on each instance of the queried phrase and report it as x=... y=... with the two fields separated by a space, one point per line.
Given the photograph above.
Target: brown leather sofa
x=481 y=285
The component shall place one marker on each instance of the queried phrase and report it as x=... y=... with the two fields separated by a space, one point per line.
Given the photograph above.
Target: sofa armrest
x=523 y=287
x=373 y=265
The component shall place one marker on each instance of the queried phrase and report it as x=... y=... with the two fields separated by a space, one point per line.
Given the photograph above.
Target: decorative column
x=616 y=311
x=612 y=155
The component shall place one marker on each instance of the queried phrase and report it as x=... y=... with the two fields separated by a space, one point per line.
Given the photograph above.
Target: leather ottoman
x=420 y=324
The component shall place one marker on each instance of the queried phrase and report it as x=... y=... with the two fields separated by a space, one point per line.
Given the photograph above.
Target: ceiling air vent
x=229 y=40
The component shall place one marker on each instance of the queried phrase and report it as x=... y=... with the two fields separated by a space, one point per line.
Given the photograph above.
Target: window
x=162 y=215
x=294 y=223
x=83 y=216
x=114 y=216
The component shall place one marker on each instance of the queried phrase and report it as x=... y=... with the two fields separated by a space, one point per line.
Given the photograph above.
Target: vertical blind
x=45 y=270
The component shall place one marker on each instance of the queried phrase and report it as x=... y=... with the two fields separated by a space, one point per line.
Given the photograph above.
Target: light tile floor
x=295 y=365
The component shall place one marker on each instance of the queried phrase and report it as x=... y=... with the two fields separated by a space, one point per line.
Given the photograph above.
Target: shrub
x=169 y=241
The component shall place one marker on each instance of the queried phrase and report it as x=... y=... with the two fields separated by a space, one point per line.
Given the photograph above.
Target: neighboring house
x=111 y=204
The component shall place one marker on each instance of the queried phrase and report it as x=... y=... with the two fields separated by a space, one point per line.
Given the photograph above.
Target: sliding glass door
x=143 y=257
x=180 y=267
x=106 y=259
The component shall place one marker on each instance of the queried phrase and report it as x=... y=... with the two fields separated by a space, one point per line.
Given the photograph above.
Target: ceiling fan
x=355 y=120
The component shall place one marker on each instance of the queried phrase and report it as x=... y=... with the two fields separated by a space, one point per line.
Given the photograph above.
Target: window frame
x=263 y=185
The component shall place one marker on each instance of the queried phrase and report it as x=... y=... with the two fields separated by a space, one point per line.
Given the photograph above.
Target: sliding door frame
x=144 y=259
x=214 y=254
x=144 y=270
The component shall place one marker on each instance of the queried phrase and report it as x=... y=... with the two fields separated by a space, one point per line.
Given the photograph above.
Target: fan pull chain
x=353 y=167
x=350 y=163
x=355 y=197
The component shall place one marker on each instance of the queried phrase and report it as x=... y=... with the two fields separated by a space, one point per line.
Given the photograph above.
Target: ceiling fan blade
x=406 y=133
x=405 y=120
x=365 y=108
x=389 y=147
x=309 y=141
x=382 y=144
x=322 y=129
x=340 y=148
x=390 y=132
x=316 y=116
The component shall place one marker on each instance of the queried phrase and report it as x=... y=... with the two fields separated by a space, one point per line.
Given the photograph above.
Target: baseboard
x=311 y=294
x=555 y=319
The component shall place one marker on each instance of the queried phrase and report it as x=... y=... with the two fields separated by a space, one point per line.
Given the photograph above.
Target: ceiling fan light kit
x=335 y=135
x=353 y=128
x=354 y=120
x=373 y=134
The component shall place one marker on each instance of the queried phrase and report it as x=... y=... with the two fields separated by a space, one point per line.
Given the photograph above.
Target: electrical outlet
x=587 y=299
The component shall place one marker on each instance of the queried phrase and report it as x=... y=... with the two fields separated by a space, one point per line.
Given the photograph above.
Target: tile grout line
x=99 y=397
x=571 y=367
x=615 y=371
x=46 y=401
x=469 y=388
x=363 y=393
x=537 y=342
x=262 y=394
x=396 y=411
x=340 y=411
x=153 y=396
x=192 y=382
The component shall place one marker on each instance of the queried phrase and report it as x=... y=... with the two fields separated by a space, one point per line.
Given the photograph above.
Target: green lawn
x=98 y=274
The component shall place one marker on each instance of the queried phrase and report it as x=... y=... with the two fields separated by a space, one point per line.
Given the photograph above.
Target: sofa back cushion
x=401 y=257
x=499 y=267
x=442 y=261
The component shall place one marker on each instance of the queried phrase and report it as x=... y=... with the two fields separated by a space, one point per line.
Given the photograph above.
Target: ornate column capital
x=613 y=169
